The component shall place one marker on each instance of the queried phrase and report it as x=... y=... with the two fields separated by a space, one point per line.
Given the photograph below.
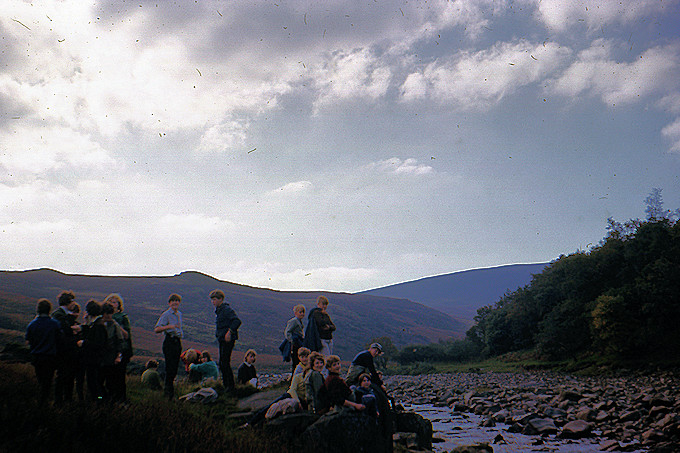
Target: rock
x=415 y=423
x=479 y=448
x=576 y=429
x=567 y=395
x=540 y=426
x=610 y=445
x=408 y=440
x=344 y=431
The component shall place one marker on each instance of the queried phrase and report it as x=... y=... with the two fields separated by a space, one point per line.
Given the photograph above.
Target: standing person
x=226 y=331
x=294 y=333
x=78 y=368
x=170 y=323
x=93 y=345
x=113 y=355
x=123 y=321
x=319 y=334
x=42 y=334
x=63 y=390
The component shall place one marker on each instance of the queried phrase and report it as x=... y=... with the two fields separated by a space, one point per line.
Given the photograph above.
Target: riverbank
x=619 y=413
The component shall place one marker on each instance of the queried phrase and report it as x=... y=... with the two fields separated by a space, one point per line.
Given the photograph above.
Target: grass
x=147 y=423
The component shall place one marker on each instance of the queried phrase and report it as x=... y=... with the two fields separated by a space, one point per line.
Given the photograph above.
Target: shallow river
x=458 y=430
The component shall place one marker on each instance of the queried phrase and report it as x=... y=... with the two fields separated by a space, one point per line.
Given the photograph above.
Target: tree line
x=620 y=301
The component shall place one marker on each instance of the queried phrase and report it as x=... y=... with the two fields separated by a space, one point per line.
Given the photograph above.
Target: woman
x=124 y=322
x=314 y=382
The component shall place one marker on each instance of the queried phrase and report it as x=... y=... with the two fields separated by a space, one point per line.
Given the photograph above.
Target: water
x=463 y=429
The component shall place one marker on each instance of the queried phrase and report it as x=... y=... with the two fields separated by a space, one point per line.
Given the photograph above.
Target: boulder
x=411 y=422
x=344 y=431
x=540 y=426
x=576 y=429
x=479 y=448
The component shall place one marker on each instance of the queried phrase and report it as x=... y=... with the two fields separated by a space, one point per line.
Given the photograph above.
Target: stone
x=576 y=429
x=540 y=426
x=479 y=448
x=415 y=423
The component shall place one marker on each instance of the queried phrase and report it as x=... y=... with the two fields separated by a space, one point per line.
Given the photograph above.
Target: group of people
x=94 y=350
x=97 y=350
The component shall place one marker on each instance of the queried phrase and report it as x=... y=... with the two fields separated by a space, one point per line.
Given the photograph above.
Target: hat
x=377 y=346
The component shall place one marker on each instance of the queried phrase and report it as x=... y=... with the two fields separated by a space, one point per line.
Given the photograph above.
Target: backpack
x=206 y=395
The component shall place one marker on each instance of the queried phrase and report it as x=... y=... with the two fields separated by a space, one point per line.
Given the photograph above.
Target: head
x=174 y=301
x=365 y=380
x=44 y=307
x=250 y=356
x=115 y=300
x=66 y=298
x=375 y=349
x=299 y=311
x=316 y=361
x=108 y=311
x=75 y=310
x=333 y=363
x=322 y=303
x=303 y=355
x=216 y=297
x=205 y=357
x=92 y=308
x=151 y=364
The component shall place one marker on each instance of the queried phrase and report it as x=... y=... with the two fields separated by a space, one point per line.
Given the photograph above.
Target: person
x=170 y=323
x=113 y=355
x=78 y=368
x=303 y=358
x=320 y=327
x=92 y=345
x=123 y=321
x=339 y=393
x=314 y=381
x=294 y=333
x=363 y=363
x=364 y=393
x=226 y=331
x=66 y=344
x=42 y=335
x=206 y=369
x=189 y=357
x=150 y=377
x=246 y=373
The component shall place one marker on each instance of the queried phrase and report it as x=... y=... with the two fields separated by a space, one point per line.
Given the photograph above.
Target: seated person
x=303 y=356
x=190 y=356
x=364 y=394
x=314 y=381
x=339 y=393
x=150 y=377
x=246 y=373
x=207 y=369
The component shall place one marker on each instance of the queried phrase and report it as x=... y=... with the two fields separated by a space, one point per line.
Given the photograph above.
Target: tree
x=654 y=202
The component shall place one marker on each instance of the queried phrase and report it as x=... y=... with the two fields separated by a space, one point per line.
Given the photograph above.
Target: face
x=318 y=365
x=174 y=304
x=322 y=306
x=374 y=352
x=365 y=382
x=304 y=360
x=251 y=359
x=71 y=306
x=300 y=314
x=216 y=301
x=335 y=368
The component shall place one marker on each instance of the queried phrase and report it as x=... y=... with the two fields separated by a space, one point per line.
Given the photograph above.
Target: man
x=170 y=323
x=42 y=334
x=226 y=332
x=66 y=348
x=319 y=333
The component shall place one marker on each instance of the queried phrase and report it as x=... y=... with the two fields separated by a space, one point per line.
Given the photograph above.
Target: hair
x=115 y=300
x=206 y=355
x=216 y=294
x=248 y=353
x=363 y=376
x=44 y=307
x=76 y=307
x=65 y=297
x=299 y=307
x=174 y=296
x=323 y=300
x=303 y=352
x=332 y=360
x=151 y=364
x=107 y=309
x=315 y=356
x=92 y=308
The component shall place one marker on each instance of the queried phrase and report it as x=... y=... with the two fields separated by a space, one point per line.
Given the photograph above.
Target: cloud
x=397 y=166
x=476 y=80
x=292 y=188
x=224 y=136
x=563 y=15
x=596 y=73
x=672 y=133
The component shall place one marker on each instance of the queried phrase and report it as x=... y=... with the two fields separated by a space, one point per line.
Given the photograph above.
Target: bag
x=206 y=395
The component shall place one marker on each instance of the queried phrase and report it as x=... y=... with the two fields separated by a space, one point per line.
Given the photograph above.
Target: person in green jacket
x=207 y=369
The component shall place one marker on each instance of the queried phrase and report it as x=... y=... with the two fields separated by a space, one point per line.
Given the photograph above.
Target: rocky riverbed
x=616 y=413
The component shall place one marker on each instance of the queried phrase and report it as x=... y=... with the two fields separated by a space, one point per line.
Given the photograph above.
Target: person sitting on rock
x=246 y=373
x=314 y=382
x=364 y=393
x=207 y=369
x=339 y=393
x=150 y=377
x=303 y=356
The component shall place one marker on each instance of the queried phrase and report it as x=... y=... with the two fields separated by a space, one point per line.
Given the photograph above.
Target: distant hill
x=264 y=312
x=460 y=294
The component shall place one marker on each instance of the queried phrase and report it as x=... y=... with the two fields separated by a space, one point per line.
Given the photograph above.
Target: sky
x=336 y=145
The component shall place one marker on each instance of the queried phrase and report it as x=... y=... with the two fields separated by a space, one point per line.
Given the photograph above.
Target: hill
x=264 y=312
x=460 y=294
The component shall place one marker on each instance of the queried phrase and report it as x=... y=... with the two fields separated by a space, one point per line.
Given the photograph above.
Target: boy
x=150 y=377
x=170 y=323
x=42 y=334
x=294 y=333
x=226 y=332
x=338 y=391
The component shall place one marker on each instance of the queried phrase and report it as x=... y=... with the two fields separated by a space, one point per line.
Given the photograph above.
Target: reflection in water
x=463 y=429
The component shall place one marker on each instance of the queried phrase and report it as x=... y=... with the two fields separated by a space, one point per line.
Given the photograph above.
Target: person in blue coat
x=226 y=332
x=42 y=335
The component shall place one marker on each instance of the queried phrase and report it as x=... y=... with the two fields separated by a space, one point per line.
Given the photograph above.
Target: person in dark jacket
x=123 y=321
x=339 y=393
x=92 y=345
x=320 y=328
x=66 y=348
x=226 y=332
x=246 y=373
x=42 y=335
x=170 y=324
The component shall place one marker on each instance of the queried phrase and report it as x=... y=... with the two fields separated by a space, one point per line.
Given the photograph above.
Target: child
x=207 y=369
x=41 y=335
x=303 y=358
x=294 y=333
x=338 y=391
x=364 y=394
x=150 y=377
x=314 y=382
x=246 y=373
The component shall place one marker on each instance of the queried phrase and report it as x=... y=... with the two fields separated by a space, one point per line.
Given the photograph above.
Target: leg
x=225 y=364
x=172 y=348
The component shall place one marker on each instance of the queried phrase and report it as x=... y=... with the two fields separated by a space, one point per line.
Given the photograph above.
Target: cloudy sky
x=337 y=145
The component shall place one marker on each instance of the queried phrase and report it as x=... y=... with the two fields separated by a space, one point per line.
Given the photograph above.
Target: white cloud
x=401 y=167
x=476 y=80
x=292 y=188
x=672 y=133
x=563 y=15
x=596 y=73
x=224 y=136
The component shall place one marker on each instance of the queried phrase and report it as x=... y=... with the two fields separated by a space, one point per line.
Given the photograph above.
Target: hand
x=360 y=407
x=118 y=359
x=76 y=328
x=80 y=343
x=227 y=336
